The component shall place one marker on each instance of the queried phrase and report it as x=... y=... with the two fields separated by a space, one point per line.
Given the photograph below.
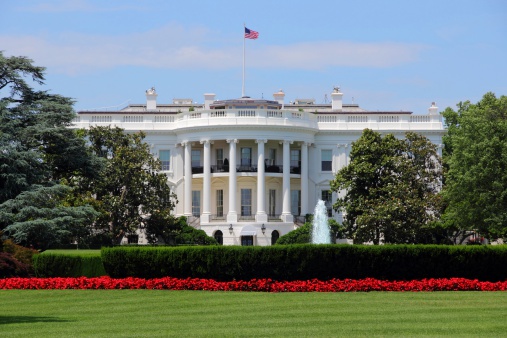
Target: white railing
x=357 y=119
x=132 y=118
x=388 y=118
x=164 y=118
x=274 y=113
x=246 y=113
x=101 y=118
x=285 y=117
x=327 y=118
x=420 y=118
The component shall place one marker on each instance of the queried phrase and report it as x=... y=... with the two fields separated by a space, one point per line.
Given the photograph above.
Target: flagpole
x=243 y=87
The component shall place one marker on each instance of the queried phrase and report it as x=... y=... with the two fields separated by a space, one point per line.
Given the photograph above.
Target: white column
x=206 y=183
x=286 y=214
x=187 y=204
x=304 y=178
x=261 y=215
x=232 y=215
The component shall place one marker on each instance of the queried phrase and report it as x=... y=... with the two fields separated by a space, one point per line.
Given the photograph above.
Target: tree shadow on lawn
x=29 y=319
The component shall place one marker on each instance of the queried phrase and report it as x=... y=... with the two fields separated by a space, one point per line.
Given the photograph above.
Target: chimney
x=336 y=99
x=279 y=97
x=151 y=99
x=208 y=99
x=433 y=110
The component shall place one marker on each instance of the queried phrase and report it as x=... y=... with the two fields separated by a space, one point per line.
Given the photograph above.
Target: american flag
x=250 y=34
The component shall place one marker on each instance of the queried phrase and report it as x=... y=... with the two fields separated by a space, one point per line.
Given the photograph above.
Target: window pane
x=220 y=203
x=272 y=207
x=326 y=158
x=165 y=158
x=196 y=158
x=246 y=156
x=327 y=197
x=196 y=203
x=295 y=202
x=220 y=157
x=246 y=202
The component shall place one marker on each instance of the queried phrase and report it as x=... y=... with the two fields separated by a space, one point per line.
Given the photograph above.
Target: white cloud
x=176 y=47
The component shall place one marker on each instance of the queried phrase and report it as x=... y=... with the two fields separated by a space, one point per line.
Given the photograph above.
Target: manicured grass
x=73 y=252
x=154 y=313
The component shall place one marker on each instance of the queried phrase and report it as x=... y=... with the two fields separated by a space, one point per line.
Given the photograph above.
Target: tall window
x=295 y=202
x=165 y=158
x=274 y=237
x=246 y=202
x=327 y=197
x=220 y=158
x=246 y=156
x=271 y=160
x=295 y=158
x=219 y=236
x=220 y=203
x=272 y=205
x=196 y=157
x=196 y=203
x=326 y=159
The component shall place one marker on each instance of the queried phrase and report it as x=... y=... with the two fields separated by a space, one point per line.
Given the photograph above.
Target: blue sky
x=385 y=55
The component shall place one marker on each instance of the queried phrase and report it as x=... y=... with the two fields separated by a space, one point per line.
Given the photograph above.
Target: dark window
x=247 y=240
x=327 y=197
x=219 y=236
x=274 y=237
x=133 y=239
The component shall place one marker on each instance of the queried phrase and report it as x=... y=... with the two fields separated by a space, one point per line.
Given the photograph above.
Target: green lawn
x=158 y=313
x=73 y=252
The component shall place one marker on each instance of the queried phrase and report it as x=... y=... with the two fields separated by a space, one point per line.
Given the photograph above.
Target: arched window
x=219 y=236
x=274 y=236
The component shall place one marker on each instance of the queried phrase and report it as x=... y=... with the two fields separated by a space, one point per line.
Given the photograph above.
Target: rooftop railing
x=261 y=117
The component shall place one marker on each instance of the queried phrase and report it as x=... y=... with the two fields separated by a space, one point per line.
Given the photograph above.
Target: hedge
x=304 y=262
x=62 y=265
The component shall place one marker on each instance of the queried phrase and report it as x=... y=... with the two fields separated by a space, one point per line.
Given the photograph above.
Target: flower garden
x=255 y=285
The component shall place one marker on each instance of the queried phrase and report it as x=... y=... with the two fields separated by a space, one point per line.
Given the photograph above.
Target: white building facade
x=247 y=171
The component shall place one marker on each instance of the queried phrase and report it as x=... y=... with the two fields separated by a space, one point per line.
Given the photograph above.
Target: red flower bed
x=258 y=285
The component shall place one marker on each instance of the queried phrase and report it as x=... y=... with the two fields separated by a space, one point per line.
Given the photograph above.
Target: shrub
x=11 y=267
x=22 y=254
x=61 y=265
x=303 y=262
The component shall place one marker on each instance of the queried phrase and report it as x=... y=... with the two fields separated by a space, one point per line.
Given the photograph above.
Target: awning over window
x=248 y=231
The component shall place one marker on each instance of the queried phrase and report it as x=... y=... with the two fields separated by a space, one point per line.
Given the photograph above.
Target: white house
x=245 y=170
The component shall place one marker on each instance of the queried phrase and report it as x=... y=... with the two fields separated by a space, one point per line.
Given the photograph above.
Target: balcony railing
x=240 y=168
x=274 y=217
x=246 y=217
x=217 y=217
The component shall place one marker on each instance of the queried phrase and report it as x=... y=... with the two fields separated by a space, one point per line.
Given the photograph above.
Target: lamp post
x=230 y=229
x=263 y=228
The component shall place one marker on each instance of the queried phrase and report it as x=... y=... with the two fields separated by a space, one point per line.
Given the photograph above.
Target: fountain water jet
x=320 y=228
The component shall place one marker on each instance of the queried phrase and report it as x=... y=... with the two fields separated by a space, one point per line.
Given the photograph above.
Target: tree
x=130 y=190
x=40 y=219
x=475 y=154
x=389 y=191
x=37 y=150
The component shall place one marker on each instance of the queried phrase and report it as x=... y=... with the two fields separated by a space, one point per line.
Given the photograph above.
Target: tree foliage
x=476 y=156
x=389 y=191
x=130 y=190
x=39 y=218
x=37 y=151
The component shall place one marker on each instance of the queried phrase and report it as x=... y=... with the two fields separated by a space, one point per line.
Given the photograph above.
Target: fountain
x=320 y=227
